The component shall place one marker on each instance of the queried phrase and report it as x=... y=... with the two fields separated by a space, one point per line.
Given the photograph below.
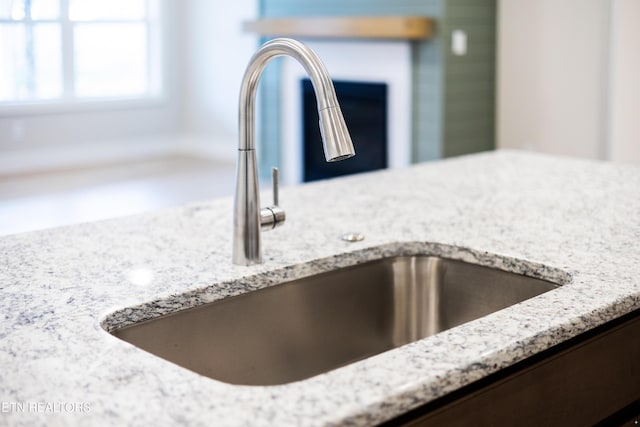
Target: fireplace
x=372 y=78
x=440 y=104
x=364 y=106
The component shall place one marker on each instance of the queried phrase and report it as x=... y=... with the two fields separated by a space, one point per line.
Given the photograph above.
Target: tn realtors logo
x=44 y=407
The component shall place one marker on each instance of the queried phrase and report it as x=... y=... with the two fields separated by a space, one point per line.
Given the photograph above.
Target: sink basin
x=298 y=329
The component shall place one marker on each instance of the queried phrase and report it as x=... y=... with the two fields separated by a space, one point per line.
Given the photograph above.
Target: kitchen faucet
x=249 y=219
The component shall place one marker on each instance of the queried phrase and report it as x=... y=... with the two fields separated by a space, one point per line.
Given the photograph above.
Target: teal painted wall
x=453 y=100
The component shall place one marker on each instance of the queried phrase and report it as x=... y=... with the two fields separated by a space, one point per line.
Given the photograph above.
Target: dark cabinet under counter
x=593 y=379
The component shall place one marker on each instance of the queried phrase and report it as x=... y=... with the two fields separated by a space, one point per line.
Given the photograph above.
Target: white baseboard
x=74 y=156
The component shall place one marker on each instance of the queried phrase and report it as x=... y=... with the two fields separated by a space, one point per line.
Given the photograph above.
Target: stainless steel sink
x=308 y=326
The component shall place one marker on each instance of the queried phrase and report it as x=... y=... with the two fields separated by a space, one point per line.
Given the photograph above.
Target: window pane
x=13 y=83
x=44 y=9
x=31 y=62
x=92 y=10
x=37 y=9
x=111 y=59
x=48 y=60
x=11 y=9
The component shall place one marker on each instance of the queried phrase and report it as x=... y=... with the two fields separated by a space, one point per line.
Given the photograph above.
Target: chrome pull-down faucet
x=248 y=217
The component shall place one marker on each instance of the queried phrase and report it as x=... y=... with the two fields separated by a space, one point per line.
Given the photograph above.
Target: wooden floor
x=44 y=200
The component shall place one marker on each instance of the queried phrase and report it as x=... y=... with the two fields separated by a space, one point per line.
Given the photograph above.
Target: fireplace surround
x=385 y=63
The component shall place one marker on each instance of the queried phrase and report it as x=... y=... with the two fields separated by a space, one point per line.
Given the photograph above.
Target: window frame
x=68 y=101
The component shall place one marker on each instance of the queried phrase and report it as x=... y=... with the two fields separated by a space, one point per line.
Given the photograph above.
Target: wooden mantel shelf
x=367 y=27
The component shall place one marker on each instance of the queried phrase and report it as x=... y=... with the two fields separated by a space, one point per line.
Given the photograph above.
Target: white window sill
x=34 y=108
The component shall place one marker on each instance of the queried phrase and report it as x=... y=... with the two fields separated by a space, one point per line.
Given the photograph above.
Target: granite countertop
x=576 y=222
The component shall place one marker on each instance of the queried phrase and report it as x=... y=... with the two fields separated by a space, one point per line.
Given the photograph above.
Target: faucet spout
x=336 y=141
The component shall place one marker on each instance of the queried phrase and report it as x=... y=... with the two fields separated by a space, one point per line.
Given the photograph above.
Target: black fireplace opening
x=364 y=106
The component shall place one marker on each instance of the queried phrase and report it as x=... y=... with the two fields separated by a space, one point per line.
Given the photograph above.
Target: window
x=73 y=50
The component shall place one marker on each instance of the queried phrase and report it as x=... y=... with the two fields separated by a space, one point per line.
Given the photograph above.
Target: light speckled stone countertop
x=577 y=222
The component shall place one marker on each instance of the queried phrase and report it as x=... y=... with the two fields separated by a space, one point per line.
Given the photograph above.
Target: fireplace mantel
x=362 y=27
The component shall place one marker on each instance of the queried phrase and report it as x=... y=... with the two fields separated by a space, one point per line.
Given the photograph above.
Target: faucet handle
x=272 y=216
x=275 y=182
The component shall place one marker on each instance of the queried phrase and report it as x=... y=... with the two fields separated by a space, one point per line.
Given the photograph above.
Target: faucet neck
x=325 y=93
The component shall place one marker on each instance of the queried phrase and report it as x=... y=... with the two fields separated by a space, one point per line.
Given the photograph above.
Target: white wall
x=568 y=77
x=625 y=82
x=552 y=76
x=218 y=52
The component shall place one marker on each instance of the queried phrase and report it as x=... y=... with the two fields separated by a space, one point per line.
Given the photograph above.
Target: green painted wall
x=453 y=101
x=469 y=82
